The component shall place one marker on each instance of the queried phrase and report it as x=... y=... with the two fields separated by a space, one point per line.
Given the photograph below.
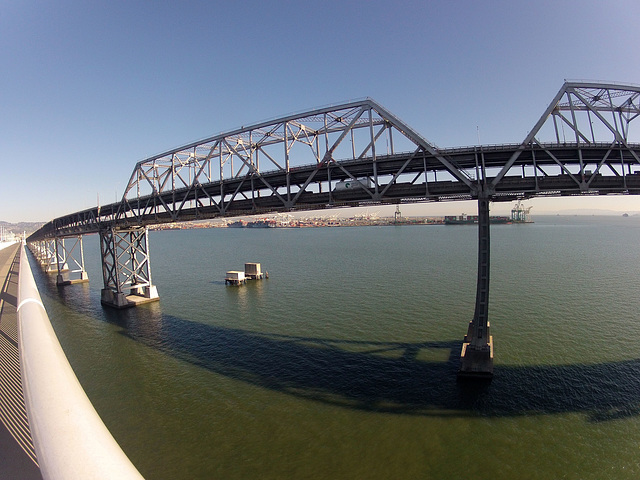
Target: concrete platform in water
x=476 y=363
x=235 y=277
x=252 y=271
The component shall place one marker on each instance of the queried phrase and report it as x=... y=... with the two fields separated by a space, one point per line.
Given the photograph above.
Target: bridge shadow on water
x=386 y=377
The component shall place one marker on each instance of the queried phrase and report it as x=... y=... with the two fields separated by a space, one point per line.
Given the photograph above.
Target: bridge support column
x=65 y=255
x=47 y=255
x=476 y=358
x=37 y=248
x=126 y=266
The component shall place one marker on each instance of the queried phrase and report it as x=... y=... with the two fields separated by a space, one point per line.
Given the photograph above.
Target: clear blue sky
x=88 y=89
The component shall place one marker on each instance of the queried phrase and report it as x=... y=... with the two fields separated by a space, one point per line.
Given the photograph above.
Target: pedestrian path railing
x=70 y=439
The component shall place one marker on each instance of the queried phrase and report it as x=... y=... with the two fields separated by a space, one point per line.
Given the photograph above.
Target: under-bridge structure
x=354 y=154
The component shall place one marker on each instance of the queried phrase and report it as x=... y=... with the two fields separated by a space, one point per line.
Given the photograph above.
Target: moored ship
x=473 y=220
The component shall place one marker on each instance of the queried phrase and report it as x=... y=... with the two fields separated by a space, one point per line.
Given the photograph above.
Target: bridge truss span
x=279 y=164
x=593 y=120
x=359 y=153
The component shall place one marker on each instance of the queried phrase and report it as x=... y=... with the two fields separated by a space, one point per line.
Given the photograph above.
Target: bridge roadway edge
x=14 y=461
x=69 y=436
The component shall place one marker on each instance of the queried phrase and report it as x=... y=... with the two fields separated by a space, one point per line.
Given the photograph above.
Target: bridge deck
x=591 y=169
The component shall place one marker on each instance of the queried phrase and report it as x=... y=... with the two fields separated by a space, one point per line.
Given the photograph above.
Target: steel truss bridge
x=357 y=154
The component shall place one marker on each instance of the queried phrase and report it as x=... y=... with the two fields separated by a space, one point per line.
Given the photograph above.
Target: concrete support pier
x=45 y=252
x=476 y=358
x=126 y=267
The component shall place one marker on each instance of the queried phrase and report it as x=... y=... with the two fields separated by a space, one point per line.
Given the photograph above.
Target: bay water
x=342 y=364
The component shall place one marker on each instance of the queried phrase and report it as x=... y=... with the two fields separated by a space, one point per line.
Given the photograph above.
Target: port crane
x=520 y=213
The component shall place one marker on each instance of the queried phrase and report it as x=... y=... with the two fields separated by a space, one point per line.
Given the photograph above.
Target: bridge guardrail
x=70 y=439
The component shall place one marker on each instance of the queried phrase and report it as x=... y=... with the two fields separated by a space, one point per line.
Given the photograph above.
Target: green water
x=342 y=364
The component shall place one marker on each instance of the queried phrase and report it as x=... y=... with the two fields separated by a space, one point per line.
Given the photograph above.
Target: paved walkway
x=17 y=455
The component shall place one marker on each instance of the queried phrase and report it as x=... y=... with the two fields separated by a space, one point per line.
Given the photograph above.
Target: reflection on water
x=386 y=376
x=247 y=296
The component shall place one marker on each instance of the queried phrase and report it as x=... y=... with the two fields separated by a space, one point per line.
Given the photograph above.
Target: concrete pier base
x=113 y=299
x=135 y=290
x=476 y=361
x=62 y=281
x=151 y=292
x=53 y=267
x=119 y=300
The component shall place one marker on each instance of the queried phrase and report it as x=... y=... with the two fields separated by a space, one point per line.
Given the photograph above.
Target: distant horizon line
x=568 y=212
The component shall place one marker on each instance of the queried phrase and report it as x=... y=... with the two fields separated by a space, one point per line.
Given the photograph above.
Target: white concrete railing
x=70 y=439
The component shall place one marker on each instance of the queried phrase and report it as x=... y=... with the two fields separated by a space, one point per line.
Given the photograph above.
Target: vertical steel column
x=43 y=257
x=111 y=294
x=477 y=350
x=51 y=257
x=133 y=242
x=373 y=154
x=83 y=271
x=61 y=257
x=287 y=165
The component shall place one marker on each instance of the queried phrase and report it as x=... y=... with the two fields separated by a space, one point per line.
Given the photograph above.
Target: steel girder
x=284 y=159
x=582 y=144
x=585 y=114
